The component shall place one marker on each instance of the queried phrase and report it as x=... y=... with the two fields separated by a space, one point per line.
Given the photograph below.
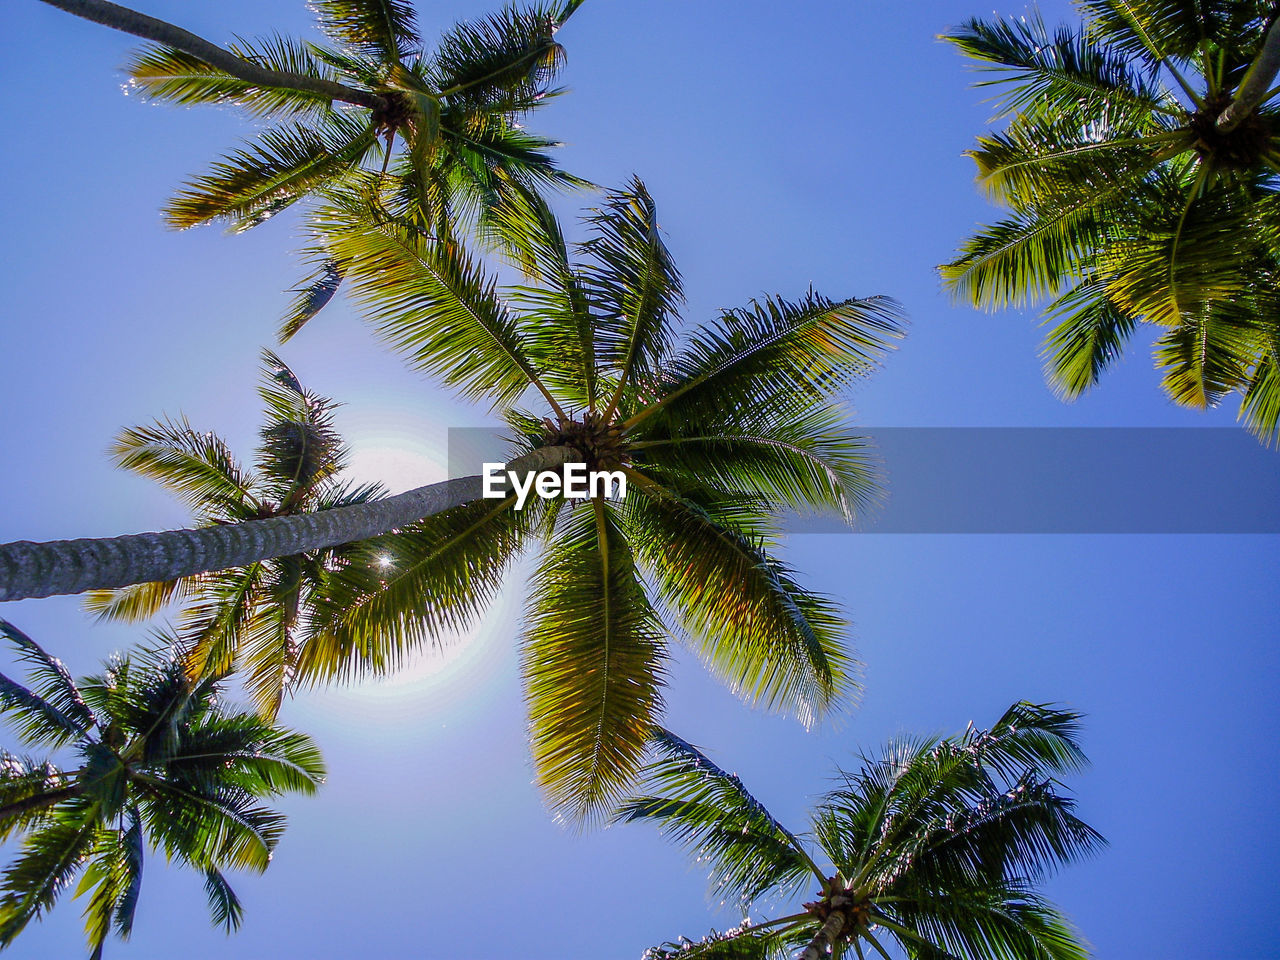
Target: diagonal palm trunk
x=149 y=28
x=40 y=801
x=820 y=945
x=72 y=566
x=1257 y=82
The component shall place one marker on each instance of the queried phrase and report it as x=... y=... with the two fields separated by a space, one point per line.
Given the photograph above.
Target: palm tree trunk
x=72 y=566
x=39 y=801
x=149 y=28
x=826 y=935
x=1257 y=82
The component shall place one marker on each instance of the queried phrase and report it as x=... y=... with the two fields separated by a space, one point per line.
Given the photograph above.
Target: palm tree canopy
x=253 y=619
x=152 y=762
x=455 y=109
x=714 y=436
x=1140 y=176
x=936 y=845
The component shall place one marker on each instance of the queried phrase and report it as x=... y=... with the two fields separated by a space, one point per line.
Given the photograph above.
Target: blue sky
x=787 y=146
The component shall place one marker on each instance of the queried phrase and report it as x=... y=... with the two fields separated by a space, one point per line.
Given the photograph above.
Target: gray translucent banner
x=1037 y=480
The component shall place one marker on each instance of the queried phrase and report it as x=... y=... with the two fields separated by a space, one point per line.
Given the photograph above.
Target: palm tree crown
x=455 y=109
x=251 y=618
x=714 y=438
x=154 y=762
x=1139 y=166
x=935 y=846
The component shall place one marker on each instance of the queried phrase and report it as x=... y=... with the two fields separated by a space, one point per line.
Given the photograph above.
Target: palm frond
x=196 y=466
x=1089 y=332
x=1260 y=408
x=1027 y=256
x=267 y=655
x=812 y=347
x=744 y=943
x=171 y=76
x=996 y=922
x=284 y=165
x=501 y=60
x=1039 y=73
x=250 y=753
x=224 y=905
x=433 y=303
x=633 y=286
x=392 y=595
x=1154 y=31
x=593 y=663
x=59 y=707
x=214 y=625
x=114 y=875
x=386 y=28
x=706 y=809
x=786 y=452
x=136 y=602
x=771 y=641
x=313 y=295
x=49 y=859
x=1208 y=355
x=222 y=828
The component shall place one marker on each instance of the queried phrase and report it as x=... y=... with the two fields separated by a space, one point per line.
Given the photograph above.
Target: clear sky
x=787 y=145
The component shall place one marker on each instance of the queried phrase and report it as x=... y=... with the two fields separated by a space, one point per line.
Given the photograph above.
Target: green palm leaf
x=284 y=165
x=137 y=602
x=114 y=875
x=1261 y=406
x=792 y=451
x=385 y=28
x=499 y=61
x=594 y=664
x=167 y=75
x=1207 y=356
x=812 y=347
x=394 y=594
x=224 y=905
x=1089 y=332
x=433 y=303
x=197 y=466
x=314 y=294
x=1041 y=74
x=709 y=811
x=634 y=287
x=746 y=944
x=46 y=865
x=54 y=711
x=751 y=623
x=997 y=922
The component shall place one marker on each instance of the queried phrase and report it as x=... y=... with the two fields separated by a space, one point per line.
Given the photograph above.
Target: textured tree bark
x=72 y=566
x=1257 y=82
x=39 y=801
x=149 y=28
x=817 y=947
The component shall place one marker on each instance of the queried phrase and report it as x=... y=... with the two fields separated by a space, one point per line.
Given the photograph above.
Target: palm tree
x=1139 y=166
x=251 y=618
x=343 y=107
x=713 y=440
x=154 y=762
x=935 y=846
